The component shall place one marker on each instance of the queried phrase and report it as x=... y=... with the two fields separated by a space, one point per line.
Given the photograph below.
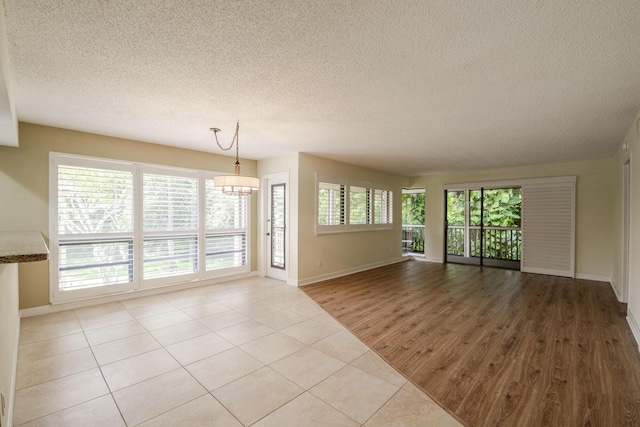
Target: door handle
x=268 y=234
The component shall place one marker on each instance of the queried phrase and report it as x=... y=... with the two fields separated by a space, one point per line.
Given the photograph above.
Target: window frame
x=331 y=228
x=368 y=208
x=387 y=221
x=346 y=225
x=137 y=235
x=227 y=271
x=168 y=234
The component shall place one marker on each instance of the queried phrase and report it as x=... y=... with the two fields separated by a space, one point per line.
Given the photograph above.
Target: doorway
x=483 y=226
x=277 y=218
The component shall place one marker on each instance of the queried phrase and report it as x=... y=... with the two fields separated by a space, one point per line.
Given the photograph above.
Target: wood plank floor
x=497 y=347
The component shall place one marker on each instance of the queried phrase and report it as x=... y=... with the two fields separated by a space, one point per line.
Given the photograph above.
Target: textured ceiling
x=406 y=86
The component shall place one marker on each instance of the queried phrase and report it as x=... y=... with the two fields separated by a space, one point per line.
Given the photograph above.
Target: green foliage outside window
x=413 y=213
x=413 y=208
x=502 y=208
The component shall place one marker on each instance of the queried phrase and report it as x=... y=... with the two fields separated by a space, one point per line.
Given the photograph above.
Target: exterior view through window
x=484 y=226
x=120 y=226
x=413 y=218
x=343 y=205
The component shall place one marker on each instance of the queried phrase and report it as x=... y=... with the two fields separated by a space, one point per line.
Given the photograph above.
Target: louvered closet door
x=548 y=227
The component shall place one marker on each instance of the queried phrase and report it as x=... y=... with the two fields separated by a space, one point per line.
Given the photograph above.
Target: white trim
x=347 y=227
x=615 y=291
x=510 y=183
x=137 y=234
x=546 y=271
x=268 y=180
x=420 y=257
x=634 y=328
x=594 y=277
x=51 y=308
x=332 y=228
x=14 y=370
x=626 y=230
x=417 y=190
x=346 y=272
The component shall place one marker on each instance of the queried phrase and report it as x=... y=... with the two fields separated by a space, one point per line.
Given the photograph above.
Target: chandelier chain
x=235 y=140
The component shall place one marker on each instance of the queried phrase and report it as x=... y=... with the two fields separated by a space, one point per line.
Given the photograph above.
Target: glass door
x=276 y=227
x=483 y=227
x=456 y=227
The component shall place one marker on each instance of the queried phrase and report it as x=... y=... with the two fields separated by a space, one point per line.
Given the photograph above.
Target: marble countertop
x=22 y=246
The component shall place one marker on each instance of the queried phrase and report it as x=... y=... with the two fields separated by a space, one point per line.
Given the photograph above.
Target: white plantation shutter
x=226 y=229
x=170 y=203
x=548 y=227
x=170 y=225
x=346 y=205
x=118 y=226
x=359 y=205
x=330 y=205
x=94 y=239
x=94 y=201
x=382 y=206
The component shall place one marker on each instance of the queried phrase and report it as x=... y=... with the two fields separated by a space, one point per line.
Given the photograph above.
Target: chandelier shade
x=241 y=185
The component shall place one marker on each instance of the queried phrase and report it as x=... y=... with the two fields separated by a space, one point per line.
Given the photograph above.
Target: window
x=330 y=205
x=94 y=225
x=118 y=226
x=226 y=229
x=383 y=207
x=359 y=205
x=343 y=205
x=170 y=224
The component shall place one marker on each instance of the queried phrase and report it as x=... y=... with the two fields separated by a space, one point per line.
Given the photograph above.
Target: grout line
x=234 y=346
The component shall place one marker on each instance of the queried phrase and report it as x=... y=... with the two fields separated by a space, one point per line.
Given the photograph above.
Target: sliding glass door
x=483 y=226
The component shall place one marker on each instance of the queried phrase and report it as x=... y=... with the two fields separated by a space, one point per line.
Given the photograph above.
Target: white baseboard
x=593 y=277
x=634 y=328
x=548 y=272
x=422 y=257
x=53 y=308
x=616 y=291
x=341 y=273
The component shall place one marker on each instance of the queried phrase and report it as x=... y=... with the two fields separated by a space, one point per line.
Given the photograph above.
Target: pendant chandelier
x=235 y=185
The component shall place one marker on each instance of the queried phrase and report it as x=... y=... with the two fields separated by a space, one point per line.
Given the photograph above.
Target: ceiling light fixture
x=236 y=185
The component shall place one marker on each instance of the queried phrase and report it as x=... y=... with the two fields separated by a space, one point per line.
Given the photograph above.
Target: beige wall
x=342 y=252
x=9 y=328
x=594 y=198
x=24 y=184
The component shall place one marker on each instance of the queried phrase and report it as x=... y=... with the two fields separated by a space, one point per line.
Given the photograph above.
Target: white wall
x=9 y=332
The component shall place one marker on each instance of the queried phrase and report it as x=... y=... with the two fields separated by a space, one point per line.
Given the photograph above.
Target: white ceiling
x=406 y=86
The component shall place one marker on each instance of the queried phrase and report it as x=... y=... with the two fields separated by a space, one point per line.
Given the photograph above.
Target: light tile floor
x=251 y=352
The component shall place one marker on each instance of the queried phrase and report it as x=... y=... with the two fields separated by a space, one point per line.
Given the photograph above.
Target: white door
x=277 y=234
